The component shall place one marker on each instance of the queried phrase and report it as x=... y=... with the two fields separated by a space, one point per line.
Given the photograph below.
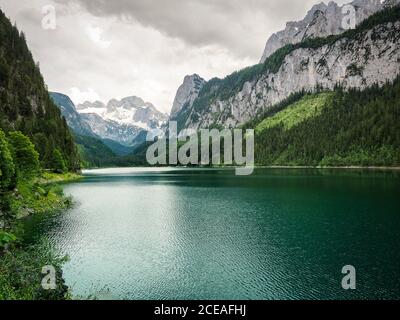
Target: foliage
x=37 y=136
x=96 y=154
x=308 y=107
x=57 y=163
x=52 y=178
x=21 y=277
x=39 y=197
x=93 y=152
x=380 y=156
x=25 y=156
x=7 y=168
x=354 y=128
x=6 y=238
x=25 y=104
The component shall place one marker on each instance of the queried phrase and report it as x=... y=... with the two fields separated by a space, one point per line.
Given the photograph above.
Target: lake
x=167 y=233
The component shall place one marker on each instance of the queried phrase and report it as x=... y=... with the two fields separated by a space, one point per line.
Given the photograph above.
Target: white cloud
x=77 y=96
x=96 y=35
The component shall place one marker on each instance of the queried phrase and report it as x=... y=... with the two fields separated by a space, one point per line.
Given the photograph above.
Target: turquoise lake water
x=208 y=234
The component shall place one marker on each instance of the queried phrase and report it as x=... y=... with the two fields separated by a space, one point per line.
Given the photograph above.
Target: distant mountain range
x=121 y=125
x=129 y=111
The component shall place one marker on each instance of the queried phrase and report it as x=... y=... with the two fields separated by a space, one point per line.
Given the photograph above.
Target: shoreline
x=318 y=167
x=383 y=168
x=42 y=195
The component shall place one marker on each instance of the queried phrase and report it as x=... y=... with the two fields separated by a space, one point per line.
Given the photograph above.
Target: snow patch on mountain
x=130 y=111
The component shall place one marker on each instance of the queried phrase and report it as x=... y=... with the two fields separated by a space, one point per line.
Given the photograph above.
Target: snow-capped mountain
x=129 y=112
x=124 y=134
x=121 y=125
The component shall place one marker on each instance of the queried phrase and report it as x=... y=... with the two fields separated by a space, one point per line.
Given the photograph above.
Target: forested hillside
x=33 y=137
x=25 y=104
x=339 y=128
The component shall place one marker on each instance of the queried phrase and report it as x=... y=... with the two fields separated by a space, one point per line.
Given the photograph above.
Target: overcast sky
x=103 y=49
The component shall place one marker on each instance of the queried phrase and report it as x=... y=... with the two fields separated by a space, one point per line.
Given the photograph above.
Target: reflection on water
x=208 y=234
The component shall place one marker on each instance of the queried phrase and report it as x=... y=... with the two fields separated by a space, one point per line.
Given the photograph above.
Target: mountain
x=129 y=111
x=332 y=128
x=321 y=21
x=68 y=110
x=358 y=58
x=121 y=124
x=25 y=104
x=122 y=133
x=94 y=152
x=121 y=139
x=187 y=93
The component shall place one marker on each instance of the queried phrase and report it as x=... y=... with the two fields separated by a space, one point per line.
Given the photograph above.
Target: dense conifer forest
x=36 y=149
x=25 y=104
x=344 y=128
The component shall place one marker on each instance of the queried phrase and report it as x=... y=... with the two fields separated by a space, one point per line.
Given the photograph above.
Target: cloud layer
x=110 y=49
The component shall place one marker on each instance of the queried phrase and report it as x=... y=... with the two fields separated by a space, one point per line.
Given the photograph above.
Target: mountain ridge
x=322 y=20
x=356 y=58
x=130 y=110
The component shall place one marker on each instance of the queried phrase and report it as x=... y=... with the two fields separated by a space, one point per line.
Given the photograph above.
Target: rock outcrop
x=368 y=57
x=187 y=93
x=323 y=20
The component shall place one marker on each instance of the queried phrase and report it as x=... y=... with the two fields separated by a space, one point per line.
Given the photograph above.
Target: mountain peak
x=132 y=111
x=187 y=93
x=321 y=21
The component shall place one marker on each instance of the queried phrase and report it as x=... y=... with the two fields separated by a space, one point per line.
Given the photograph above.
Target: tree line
x=25 y=104
x=355 y=128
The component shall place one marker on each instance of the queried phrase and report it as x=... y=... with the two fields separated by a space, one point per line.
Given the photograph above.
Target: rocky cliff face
x=187 y=93
x=321 y=21
x=358 y=60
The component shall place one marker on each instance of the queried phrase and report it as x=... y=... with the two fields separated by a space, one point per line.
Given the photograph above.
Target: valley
x=79 y=191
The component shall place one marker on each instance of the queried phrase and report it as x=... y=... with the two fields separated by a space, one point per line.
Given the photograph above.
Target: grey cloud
x=238 y=25
x=154 y=43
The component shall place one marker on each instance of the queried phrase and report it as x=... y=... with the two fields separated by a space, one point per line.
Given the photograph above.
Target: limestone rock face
x=372 y=57
x=187 y=93
x=321 y=21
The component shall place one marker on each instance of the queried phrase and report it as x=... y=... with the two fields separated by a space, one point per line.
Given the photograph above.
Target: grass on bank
x=42 y=194
x=21 y=265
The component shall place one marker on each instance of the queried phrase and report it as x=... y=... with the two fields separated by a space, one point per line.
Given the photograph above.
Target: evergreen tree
x=57 y=162
x=7 y=169
x=25 y=156
x=25 y=104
